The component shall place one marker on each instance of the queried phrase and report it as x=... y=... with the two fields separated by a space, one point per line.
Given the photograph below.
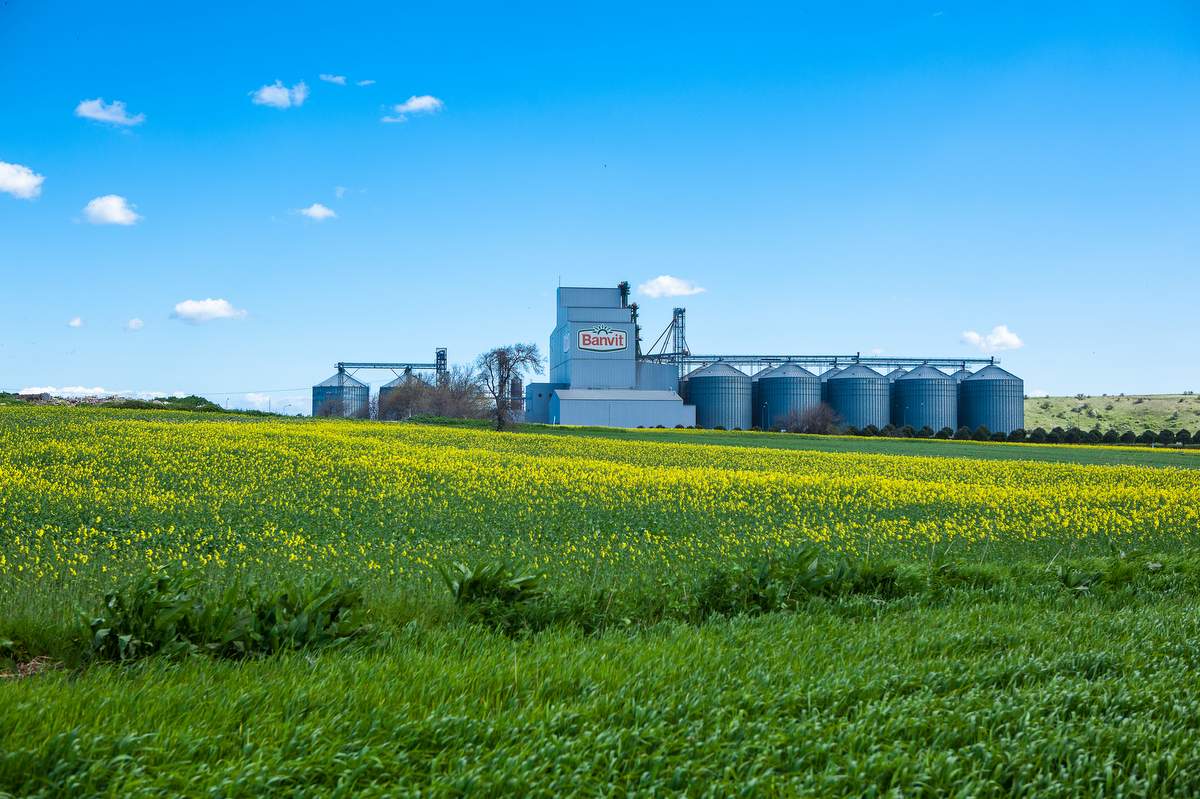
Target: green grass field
x=1136 y=412
x=719 y=614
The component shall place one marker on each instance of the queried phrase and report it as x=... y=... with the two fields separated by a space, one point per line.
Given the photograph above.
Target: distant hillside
x=1128 y=412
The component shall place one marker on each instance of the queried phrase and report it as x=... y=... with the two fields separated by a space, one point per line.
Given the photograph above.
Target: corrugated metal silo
x=892 y=377
x=860 y=396
x=961 y=375
x=825 y=382
x=389 y=400
x=721 y=395
x=756 y=397
x=994 y=398
x=341 y=395
x=787 y=389
x=925 y=397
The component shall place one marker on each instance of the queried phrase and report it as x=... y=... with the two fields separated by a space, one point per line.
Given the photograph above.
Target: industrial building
x=599 y=375
x=596 y=376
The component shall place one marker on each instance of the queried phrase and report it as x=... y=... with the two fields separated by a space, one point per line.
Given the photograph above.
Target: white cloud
x=367 y=82
x=114 y=113
x=276 y=95
x=318 y=212
x=340 y=80
x=134 y=324
x=20 y=181
x=196 y=311
x=668 y=286
x=424 y=104
x=95 y=391
x=75 y=322
x=111 y=209
x=1039 y=392
x=339 y=191
x=258 y=400
x=1000 y=339
x=67 y=391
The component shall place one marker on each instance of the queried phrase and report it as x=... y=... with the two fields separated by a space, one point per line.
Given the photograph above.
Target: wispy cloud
x=76 y=322
x=196 y=311
x=318 y=212
x=113 y=114
x=1000 y=339
x=20 y=181
x=340 y=80
x=134 y=324
x=668 y=286
x=95 y=391
x=111 y=209
x=339 y=191
x=367 y=82
x=67 y=391
x=276 y=95
x=423 y=104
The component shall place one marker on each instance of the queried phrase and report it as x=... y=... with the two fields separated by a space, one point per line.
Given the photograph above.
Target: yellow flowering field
x=89 y=496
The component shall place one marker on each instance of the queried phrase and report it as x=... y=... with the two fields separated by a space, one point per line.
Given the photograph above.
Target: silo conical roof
x=925 y=372
x=896 y=373
x=788 y=370
x=828 y=373
x=761 y=373
x=400 y=380
x=717 y=369
x=341 y=379
x=858 y=371
x=992 y=372
x=960 y=375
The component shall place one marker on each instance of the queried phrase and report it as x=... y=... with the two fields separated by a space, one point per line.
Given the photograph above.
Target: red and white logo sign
x=602 y=339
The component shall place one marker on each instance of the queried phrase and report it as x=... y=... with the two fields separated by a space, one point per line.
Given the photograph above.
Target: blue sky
x=837 y=177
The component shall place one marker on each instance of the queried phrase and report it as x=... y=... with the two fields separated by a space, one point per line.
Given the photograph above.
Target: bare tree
x=819 y=419
x=498 y=367
x=458 y=396
x=408 y=398
x=455 y=395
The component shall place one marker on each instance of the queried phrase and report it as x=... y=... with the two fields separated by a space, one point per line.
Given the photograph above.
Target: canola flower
x=90 y=496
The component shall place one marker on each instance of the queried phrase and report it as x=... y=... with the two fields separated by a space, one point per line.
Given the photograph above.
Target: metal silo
x=925 y=397
x=341 y=395
x=825 y=382
x=860 y=396
x=391 y=398
x=786 y=390
x=756 y=398
x=721 y=395
x=961 y=375
x=994 y=398
x=892 y=377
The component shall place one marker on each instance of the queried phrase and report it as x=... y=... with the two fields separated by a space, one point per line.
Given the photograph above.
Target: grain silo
x=892 y=377
x=341 y=395
x=789 y=389
x=992 y=398
x=721 y=395
x=925 y=397
x=825 y=382
x=860 y=396
x=755 y=397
